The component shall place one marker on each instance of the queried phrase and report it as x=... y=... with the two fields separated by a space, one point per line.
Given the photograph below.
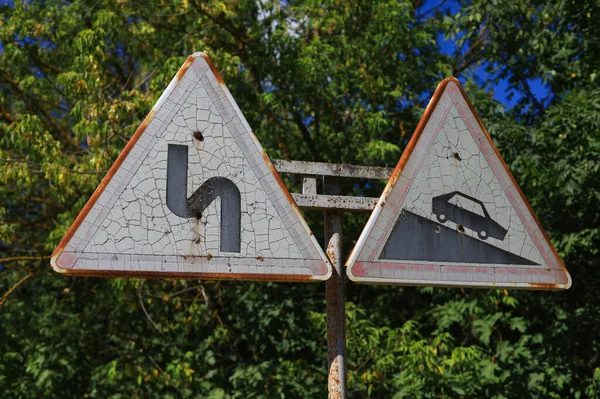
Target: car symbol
x=484 y=225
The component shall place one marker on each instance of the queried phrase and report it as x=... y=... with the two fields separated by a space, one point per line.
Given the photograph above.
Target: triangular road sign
x=193 y=195
x=452 y=213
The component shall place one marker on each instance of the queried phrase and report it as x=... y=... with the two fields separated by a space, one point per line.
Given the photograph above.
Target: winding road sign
x=452 y=213
x=193 y=195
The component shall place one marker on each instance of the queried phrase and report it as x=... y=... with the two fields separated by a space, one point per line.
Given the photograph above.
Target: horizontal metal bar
x=320 y=201
x=332 y=169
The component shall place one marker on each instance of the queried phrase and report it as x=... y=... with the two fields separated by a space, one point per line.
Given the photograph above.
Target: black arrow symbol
x=180 y=205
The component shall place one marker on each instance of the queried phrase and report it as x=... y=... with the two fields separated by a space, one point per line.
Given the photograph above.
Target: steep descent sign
x=193 y=195
x=452 y=214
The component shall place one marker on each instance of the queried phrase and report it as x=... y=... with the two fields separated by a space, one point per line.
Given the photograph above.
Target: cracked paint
x=496 y=241
x=127 y=228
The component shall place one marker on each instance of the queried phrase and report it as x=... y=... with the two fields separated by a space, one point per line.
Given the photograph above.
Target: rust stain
x=546 y=286
x=260 y=258
x=332 y=257
x=437 y=95
x=280 y=182
x=191 y=276
x=107 y=178
x=197 y=240
x=331 y=254
x=326 y=268
x=168 y=275
x=505 y=166
x=334 y=380
x=186 y=65
x=198 y=135
x=412 y=144
x=213 y=69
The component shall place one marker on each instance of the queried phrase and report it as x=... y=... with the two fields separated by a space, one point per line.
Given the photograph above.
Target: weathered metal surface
x=332 y=169
x=452 y=213
x=335 y=299
x=341 y=202
x=218 y=211
x=309 y=185
x=309 y=198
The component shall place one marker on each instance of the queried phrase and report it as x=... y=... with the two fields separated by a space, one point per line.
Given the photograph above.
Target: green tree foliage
x=331 y=81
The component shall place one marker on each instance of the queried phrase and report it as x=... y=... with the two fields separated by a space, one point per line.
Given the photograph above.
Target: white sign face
x=452 y=214
x=193 y=195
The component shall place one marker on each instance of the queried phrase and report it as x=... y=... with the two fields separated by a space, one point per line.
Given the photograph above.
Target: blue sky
x=502 y=92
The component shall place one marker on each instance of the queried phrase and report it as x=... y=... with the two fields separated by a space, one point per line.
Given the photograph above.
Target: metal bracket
x=332 y=203
x=310 y=170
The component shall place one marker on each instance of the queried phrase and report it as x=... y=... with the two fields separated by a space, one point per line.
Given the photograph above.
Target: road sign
x=452 y=213
x=193 y=195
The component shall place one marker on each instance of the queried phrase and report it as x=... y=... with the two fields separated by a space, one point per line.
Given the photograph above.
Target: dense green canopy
x=333 y=81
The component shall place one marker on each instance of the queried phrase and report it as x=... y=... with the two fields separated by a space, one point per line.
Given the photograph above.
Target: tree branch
x=167 y=376
x=141 y=298
x=471 y=56
x=19 y=258
x=14 y=287
x=306 y=135
x=221 y=23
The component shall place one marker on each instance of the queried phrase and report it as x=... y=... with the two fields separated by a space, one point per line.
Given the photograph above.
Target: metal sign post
x=335 y=299
x=333 y=204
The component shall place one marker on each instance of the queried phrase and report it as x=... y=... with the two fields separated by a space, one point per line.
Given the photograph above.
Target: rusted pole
x=336 y=317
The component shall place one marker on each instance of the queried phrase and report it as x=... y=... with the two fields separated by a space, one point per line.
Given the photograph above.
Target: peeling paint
x=451 y=158
x=181 y=275
x=128 y=227
x=105 y=181
x=334 y=382
x=186 y=65
x=213 y=69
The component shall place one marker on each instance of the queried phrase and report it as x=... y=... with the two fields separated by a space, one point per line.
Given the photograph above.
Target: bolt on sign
x=452 y=213
x=193 y=195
